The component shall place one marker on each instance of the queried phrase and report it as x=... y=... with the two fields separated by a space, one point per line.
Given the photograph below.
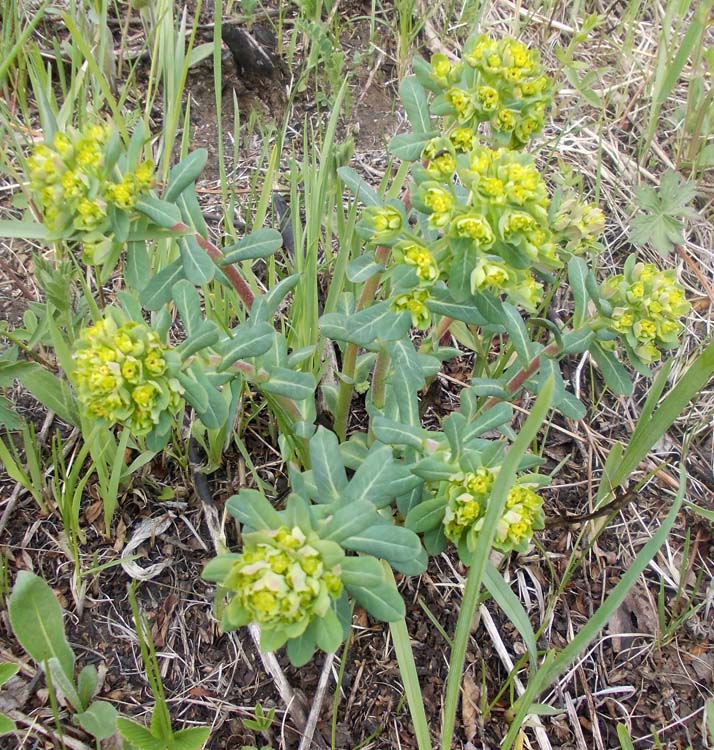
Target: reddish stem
x=233 y=274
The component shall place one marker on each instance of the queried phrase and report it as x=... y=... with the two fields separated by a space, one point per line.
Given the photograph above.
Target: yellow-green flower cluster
x=501 y=213
x=648 y=305
x=74 y=185
x=576 y=224
x=281 y=582
x=467 y=496
x=122 y=375
x=499 y=82
x=467 y=499
x=414 y=302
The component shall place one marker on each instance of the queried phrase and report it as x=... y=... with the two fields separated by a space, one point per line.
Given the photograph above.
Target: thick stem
x=233 y=274
x=379 y=378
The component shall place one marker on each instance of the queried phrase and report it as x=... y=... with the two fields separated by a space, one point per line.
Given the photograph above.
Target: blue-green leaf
x=247 y=341
x=184 y=173
x=290 y=383
x=198 y=267
x=385 y=541
x=616 y=376
x=251 y=508
x=517 y=332
x=259 y=244
x=160 y=212
x=413 y=97
x=327 y=467
x=361 y=190
x=158 y=291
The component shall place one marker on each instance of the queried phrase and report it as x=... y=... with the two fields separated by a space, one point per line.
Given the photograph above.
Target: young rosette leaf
x=125 y=375
x=647 y=306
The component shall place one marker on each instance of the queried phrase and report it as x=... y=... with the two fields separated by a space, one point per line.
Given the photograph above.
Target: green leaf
x=517 y=332
x=265 y=307
x=191 y=210
x=191 y=738
x=578 y=341
x=361 y=190
x=363 y=268
x=62 y=683
x=498 y=415
x=204 y=336
x=662 y=223
x=247 y=341
x=188 y=304
x=159 y=290
x=195 y=393
x=36 y=620
x=577 y=274
x=7 y=671
x=300 y=650
x=24 y=230
x=441 y=303
x=259 y=244
x=381 y=600
x=87 y=684
x=327 y=468
x=350 y=520
x=328 y=632
x=427 y=515
x=139 y=735
x=377 y=322
x=408 y=146
x=616 y=376
x=162 y=213
x=198 y=267
x=215 y=414
x=395 y=433
x=385 y=541
x=99 y=720
x=137 y=270
x=413 y=97
x=295 y=385
x=185 y=173
x=625 y=738
x=7 y=725
x=378 y=479
x=253 y=509
x=53 y=393
x=512 y=608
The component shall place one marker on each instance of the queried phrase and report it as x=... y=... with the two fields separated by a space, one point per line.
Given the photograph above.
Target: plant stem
x=517 y=381
x=379 y=377
x=234 y=275
x=349 y=361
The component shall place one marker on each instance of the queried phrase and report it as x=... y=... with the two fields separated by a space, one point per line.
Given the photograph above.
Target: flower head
x=121 y=375
x=282 y=582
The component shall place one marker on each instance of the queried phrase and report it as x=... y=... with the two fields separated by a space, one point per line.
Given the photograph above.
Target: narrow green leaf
x=413 y=97
x=162 y=213
x=158 y=291
x=252 y=508
x=498 y=415
x=247 y=341
x=137 y=271
x=198 y=267
x=62 y=683
x=385 y=541
x=577 y=275
x=361 y=189
x=427 y=515
x=327 y=467
x=36 y=620
x=441 y=303
x=616 y=377
x=259 y=244
x=24 y=230
x=191 y=212
x=184 y=173
x=517 y=333
x=204 y=336
x=512 y=608
x=87 y=684
x=295 y=385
